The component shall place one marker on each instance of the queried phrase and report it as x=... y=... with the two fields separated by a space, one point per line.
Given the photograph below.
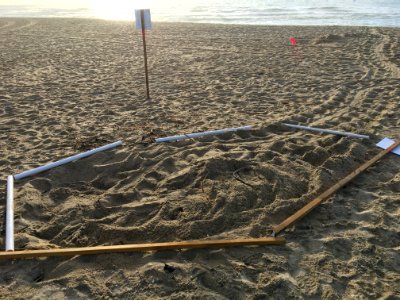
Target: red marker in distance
x=293 y=41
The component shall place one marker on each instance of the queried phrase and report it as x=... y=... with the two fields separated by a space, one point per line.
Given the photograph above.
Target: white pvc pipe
x=199 y=134
x=10 y=214
x=328 y=131
x=65 y=161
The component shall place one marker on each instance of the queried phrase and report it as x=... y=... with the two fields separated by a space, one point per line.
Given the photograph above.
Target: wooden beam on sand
x=325 y=195
x=141 y=247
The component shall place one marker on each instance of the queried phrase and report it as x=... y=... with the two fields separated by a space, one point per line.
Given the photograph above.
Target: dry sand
x=71 y=85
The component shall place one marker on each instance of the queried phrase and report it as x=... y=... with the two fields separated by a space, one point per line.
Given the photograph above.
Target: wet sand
x=69 y=85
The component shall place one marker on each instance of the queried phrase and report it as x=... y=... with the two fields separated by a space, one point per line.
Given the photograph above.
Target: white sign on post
x=146 y=17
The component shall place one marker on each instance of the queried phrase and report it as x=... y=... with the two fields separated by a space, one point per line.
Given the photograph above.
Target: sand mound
x=329 y=38
x=220 y=186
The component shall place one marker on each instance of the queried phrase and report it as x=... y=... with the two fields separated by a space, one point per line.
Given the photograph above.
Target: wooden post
x=145 y=54
x=141 y=247
x=311 y=205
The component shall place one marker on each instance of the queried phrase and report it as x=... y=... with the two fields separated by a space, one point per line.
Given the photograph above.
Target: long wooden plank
x=311 y=205
x=141 y=247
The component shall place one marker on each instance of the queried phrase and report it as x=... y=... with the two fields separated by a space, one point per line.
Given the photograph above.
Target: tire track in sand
x=369 y=104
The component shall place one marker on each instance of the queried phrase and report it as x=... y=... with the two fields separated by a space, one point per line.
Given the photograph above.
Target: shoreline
x=201 y=23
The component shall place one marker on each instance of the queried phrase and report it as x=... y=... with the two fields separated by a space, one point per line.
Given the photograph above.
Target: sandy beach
x=70 y=85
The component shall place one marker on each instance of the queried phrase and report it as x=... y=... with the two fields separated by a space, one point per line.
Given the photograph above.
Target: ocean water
x=385 y=13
